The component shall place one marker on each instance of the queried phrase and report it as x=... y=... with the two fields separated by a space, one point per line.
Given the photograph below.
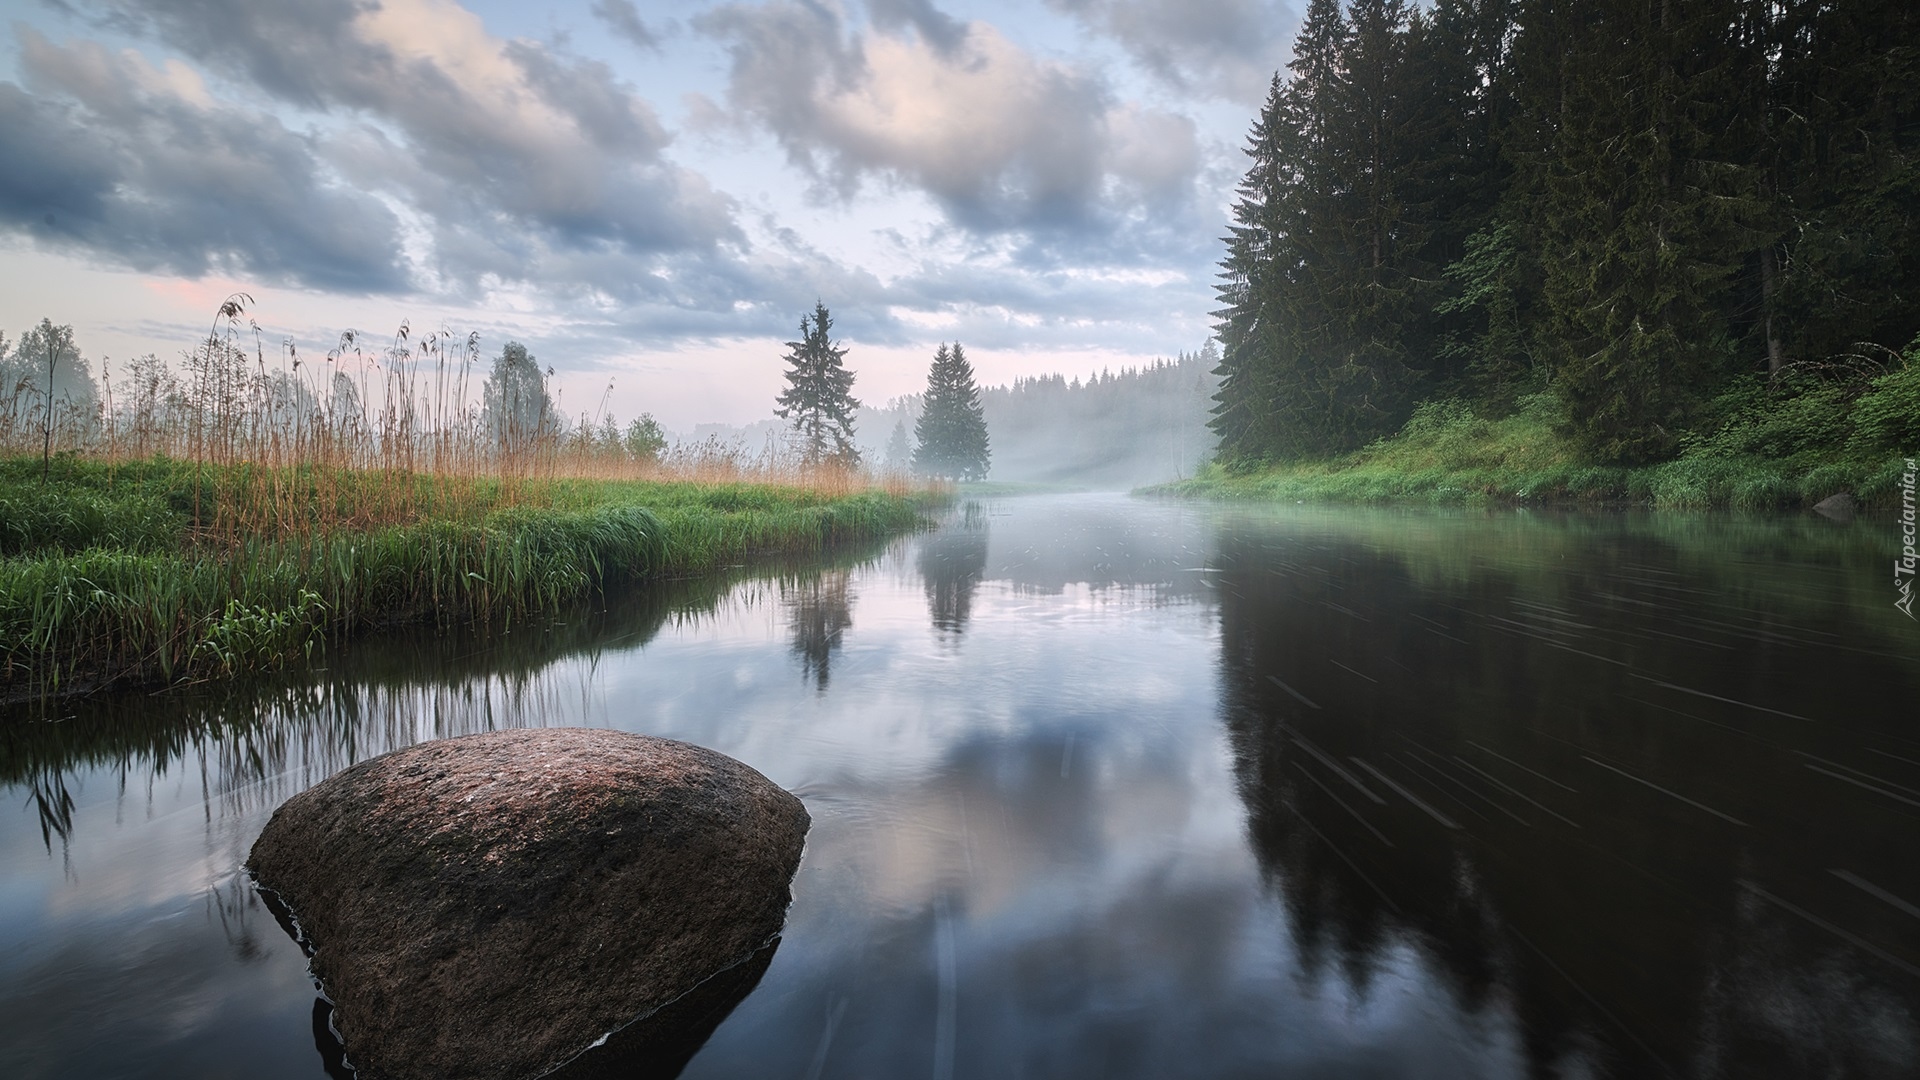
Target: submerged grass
x=168 y=570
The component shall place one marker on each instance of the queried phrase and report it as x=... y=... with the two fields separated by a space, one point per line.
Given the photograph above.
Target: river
x=1112 y=787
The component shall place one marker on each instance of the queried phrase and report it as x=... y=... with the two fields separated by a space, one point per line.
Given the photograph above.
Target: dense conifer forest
x=1661 y=223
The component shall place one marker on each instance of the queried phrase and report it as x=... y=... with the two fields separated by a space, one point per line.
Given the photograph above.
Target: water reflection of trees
x=1556 y=716
x=820 y=612
x=257 y=742
x=951 y=563
x=262 y=741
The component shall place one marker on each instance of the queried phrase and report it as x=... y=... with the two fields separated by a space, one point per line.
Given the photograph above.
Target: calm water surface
x=1104 y=787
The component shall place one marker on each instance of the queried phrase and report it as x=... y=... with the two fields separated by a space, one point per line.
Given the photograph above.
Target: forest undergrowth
x=1763 y=444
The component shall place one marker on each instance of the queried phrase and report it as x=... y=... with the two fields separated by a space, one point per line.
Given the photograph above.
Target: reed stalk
x=248 y=508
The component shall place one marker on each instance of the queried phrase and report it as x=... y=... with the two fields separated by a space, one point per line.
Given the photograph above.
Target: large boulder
x=494 y=905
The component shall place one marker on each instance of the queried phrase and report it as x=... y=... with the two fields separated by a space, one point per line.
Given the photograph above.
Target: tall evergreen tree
x=1323 y=285
x=1274 y=332
x=1370 y=282
x=819 y=400
x=951 y=434
x=1835 y=90
x=1470 y=333
x=1251 y=326
x=1642 y=220
x=899 y=456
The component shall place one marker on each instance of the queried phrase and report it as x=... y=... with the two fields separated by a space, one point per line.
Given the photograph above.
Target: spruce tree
x=951 y=433
x=819 y=400
x=1274 y=321
x=1250 y=325
x=899 y=457
x=1470 y=329
x=1369 y=280
x=1838 y=89
x=1643 y=221
x=1323 y=285
x=1316 y=242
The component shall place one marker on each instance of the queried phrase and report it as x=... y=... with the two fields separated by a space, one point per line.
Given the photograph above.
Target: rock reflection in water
x=657 y=1046
x=1168 y=791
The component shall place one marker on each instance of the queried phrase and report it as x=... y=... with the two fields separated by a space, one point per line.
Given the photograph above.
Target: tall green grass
x=1764 y=446
x=116 y=572
x=234 y=513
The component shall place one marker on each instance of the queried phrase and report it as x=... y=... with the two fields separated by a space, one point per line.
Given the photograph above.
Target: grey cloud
x=993 y=304
x=1002 y=140
x=936 y=27
x=294 y=51
x=529 y=169
x=491 y=135
x=1227 y=48
x=102 y=156
x=784 y=59
x=624 y=20
x=587 y=90
x=51 y=165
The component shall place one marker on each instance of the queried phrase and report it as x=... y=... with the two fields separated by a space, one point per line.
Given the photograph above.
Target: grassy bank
x=164 y=570
x=1762 y=446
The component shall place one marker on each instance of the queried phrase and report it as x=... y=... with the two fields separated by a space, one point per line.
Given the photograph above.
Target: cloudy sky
x=646 y=193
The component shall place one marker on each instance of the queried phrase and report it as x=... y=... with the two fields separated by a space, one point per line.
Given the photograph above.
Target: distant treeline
x=1133 y=427
x=1636 y=206
x=1119 y=429
x=424 y=402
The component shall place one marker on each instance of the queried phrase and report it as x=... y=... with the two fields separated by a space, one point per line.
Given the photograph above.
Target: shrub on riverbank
x=168 y=570
x=1764 y=444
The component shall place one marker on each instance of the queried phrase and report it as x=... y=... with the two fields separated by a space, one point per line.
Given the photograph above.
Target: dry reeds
x=240 y=512
x=385 y=435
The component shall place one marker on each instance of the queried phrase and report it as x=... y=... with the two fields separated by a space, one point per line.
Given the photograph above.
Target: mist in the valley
x=1109 y=431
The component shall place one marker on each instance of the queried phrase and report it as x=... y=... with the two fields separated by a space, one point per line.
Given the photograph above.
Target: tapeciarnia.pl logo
x=1904 y=565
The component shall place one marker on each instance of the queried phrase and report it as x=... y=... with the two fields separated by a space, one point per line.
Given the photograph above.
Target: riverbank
x=163 y=571
x=1448 y=455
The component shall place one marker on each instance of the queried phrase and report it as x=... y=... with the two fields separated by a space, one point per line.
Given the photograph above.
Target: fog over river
x=1112 y=787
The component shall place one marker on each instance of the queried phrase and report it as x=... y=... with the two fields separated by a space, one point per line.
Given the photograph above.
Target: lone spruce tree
x=951 y=434
x=819 y=399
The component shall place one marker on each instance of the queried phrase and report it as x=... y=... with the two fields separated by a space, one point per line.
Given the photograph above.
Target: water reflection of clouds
x=1026 y=758
x=1074 y=811
x=156 y=990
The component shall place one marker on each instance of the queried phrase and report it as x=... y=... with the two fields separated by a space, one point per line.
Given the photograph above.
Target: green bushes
x=1886 y=419
x=1761 y=445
